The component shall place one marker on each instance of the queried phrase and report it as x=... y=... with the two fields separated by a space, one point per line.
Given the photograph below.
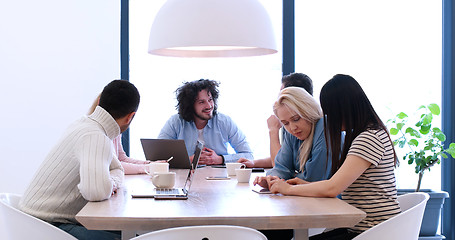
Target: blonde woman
x=362 y=166
x=130 y=165
x=303 y=153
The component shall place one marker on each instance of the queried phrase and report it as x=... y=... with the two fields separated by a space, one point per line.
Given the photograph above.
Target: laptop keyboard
x=167 y=191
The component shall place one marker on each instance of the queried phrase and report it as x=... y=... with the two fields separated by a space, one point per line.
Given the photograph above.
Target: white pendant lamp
x=212 y=28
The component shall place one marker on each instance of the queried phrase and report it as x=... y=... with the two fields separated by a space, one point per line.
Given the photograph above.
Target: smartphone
x=218 y=178
x=261 y=190
x=258 y=170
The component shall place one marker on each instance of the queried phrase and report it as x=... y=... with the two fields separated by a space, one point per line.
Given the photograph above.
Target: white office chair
x=19 y=225
x=209 y=232
x=404 y=226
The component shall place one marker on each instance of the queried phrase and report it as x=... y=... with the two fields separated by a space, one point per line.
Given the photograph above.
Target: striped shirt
x=81 y=167
x=374 y=192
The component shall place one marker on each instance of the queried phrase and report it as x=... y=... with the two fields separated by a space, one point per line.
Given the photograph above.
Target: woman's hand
x=296 y=181
x=279 y=186
x=247 y=162
x=265 y=181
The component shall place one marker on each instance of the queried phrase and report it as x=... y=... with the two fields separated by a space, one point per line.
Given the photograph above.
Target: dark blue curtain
x=448 y=116
x=124 y=60
x=288 y=37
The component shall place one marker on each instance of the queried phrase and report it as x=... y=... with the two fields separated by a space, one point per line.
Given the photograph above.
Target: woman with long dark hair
x=362 y=166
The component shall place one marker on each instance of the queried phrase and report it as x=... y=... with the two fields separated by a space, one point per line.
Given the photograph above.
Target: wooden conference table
x=215 y=202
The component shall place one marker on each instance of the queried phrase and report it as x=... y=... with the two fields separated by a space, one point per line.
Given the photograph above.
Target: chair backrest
x=19 y=225
x=404 y=226
x=209 y=232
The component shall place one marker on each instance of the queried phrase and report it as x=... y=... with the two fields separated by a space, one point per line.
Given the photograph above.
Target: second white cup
x=243 y=174
x=164 y=179
x=153 y=167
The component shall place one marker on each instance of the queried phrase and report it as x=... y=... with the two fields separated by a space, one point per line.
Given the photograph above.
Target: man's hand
x=273 y=123
x=209 y=157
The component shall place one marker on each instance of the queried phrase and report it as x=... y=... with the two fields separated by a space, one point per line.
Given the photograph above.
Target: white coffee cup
x=243 y=174
x=164 y=179
x=232 y=166
x=153 y=167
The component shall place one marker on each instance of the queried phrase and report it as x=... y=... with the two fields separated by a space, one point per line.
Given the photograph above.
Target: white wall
x=55 y=57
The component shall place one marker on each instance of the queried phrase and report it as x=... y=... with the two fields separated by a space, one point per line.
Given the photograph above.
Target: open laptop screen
x=161 y=149
x=197 y=155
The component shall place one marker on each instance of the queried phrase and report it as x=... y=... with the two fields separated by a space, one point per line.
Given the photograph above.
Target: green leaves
x=425 y=129
x=451 y=150
x=402 y=115
x=426 y=143
x=394 y=131
x=413 y=142
x=413 y=132
x=434 y=109
x=437 y=133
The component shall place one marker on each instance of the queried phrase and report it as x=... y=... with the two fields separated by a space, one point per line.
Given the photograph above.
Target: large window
x=392 y=47
x=248 y=85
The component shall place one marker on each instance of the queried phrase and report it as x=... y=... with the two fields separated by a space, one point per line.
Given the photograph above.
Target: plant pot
x=436 y=237
x=432 y=214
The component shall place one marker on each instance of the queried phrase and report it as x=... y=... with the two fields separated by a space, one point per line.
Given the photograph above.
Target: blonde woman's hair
x=302 y=103
x=94 y=104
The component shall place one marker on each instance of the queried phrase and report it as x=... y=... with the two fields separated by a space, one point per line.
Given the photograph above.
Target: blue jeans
x=82 y=233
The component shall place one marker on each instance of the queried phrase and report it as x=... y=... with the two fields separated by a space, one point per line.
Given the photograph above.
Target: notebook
x=175 y=193
x=162 y=149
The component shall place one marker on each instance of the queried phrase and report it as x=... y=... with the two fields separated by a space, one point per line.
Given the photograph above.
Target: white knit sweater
x=81 y=167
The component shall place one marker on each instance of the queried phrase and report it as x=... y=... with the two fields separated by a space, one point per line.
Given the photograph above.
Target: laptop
x=175 y=193
x=162 y=149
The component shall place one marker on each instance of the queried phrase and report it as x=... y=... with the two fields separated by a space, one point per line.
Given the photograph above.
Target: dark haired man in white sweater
x=83 y=165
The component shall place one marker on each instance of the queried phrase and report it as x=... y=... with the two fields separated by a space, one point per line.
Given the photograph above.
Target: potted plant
x=426 y=148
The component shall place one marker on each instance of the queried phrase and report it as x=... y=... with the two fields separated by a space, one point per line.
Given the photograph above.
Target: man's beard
x=203 y=117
